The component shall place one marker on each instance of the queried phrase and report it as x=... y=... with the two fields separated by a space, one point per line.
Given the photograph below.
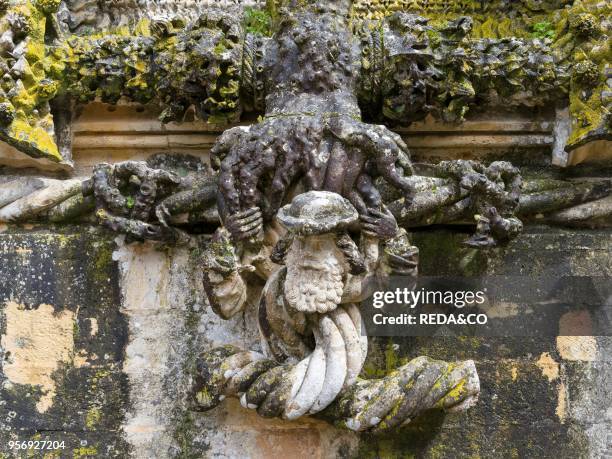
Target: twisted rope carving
x=27 y=198
x=252 y=85
x=328 y=379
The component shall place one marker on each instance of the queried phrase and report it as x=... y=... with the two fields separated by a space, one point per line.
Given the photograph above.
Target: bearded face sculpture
x=315 y=274
x=316 y=267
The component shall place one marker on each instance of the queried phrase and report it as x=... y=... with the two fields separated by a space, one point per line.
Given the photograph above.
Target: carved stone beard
x=315 y=269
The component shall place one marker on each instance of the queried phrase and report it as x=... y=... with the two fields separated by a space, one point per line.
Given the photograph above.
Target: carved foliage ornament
x=52 y=55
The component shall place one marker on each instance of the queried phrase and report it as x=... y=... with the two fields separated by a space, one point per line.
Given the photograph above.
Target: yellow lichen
x=93 y=418
x=36 y=138
x=85 y=451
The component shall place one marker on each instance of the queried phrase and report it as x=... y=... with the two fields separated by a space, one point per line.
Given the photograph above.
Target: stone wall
x=98 y=339
x=63 y=341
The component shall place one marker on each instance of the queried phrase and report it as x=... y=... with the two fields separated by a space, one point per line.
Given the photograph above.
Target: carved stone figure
x=312 y=328
x=312 y=133
x=140 y=201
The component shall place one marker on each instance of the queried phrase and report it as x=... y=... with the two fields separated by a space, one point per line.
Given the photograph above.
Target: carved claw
x=219 y=255
x=405 y=264
x=492 y=229
x=135 y=228
x=402 y=257
x=480 y=241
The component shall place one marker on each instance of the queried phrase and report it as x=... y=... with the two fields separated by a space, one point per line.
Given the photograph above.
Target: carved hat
x=317 y=212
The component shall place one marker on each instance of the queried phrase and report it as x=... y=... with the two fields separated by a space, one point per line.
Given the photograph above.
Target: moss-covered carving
x=411 y=68
x=512 y=53
x=183 y=66
x=26 y=89
x=190 y=68
x=314 y=78
x=313 y=328
x=212 y=67
x=584 y=43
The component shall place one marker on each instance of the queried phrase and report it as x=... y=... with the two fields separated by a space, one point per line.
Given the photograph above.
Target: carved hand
x=381 y=224
x=246 y=224
x=402 y=257
x=405 y=263
x=225 y=289
x=219 y=256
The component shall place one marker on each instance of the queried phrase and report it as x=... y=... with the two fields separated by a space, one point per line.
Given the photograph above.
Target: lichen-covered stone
x=182 y=66
x=27 y=123
x=421 y=69
x=58 y=302
x=583 y=42
x=442 y=64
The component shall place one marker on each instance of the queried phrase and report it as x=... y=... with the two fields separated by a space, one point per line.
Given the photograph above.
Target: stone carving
x=312 y=298
x=312 y=134
x=448 y=72
x=26 y=121
x=201 y=75
x=336 y=184
x=492 y=195
x=24 y=198
x=377 y=8
x=214 y=67
x=437 y=200
x=83 y=16
x=140 y=201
